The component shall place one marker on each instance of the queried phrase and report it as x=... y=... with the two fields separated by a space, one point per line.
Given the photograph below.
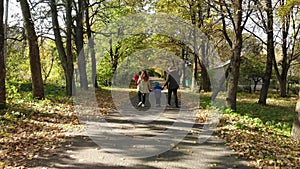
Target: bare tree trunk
x=91 y=45
x=71 y=89
x=79 y=46
x=203 y=63
x=234 y=68
x=34 y=53
x=205 y=84
x=183 y=54
x=195 y=73
x=270 y=55
x=282 y=78
x=66 y=59
x=233 y=74
x=2 y=61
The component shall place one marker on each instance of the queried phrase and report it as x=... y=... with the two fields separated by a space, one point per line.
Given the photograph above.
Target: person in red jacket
x=136 y=78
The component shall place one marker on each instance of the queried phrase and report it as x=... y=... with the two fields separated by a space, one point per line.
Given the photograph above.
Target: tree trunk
x=283 y=85
x=233 y=74
x=66 y=59
x=71 y=88
x=183 y=54
x=2 y=61
x=234 y=69
x=270 y=55
x=282 y=78
x=79 y=46
x=34 y=53
x=205 y=80
x=296 y=124
x=91 y=45
x=195 y=73
x=195 y=65
x=255 y=85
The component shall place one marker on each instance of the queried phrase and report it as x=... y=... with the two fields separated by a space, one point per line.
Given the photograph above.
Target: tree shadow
x=188 y=153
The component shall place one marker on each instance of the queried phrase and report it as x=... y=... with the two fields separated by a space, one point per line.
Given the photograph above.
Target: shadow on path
x=114 y=141
x=80 y=151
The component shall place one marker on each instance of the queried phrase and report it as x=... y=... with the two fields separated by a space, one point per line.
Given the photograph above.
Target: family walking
x=143 y=87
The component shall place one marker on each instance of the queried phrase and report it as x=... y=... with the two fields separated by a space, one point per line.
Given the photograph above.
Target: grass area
x=259 y=133
x=33 y=129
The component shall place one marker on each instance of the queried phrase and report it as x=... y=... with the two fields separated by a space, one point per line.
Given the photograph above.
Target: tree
x=234 y=14
x=268 y=26
x=91 y=44
x=196 y=12
x=290 y=28
x=34 y=53
x=66 y=57
x=2 y=60
x=78 y=36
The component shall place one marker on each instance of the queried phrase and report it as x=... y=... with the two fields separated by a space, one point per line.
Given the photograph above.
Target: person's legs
x=143 y=98
x=157 y=98
x=176 y=97
x=140 y=98
x=169 y=96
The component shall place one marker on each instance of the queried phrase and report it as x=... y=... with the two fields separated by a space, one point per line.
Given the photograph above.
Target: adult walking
x=172 y=83
x=143 y=88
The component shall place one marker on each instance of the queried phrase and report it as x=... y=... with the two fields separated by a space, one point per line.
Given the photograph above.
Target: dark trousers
x=174 y=91
x=142 y=97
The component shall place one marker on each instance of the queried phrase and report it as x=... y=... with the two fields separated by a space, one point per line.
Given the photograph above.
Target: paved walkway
x=98 y=146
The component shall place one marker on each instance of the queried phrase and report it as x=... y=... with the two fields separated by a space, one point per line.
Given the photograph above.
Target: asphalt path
x=138 y=140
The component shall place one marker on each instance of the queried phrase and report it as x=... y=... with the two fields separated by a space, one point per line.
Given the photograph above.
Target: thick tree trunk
x=79 y=46
x=71 y=88
x=204 y=64
x=91 y=45
x=205 y=81
x=66 y=59
x=2 y=61
x=296 y=124
x=283 y=85
x=233 y=75
x=34 y=53
x=270 y=55
x=234 y=69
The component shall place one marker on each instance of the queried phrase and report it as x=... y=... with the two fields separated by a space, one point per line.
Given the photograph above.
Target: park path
x=81 y=150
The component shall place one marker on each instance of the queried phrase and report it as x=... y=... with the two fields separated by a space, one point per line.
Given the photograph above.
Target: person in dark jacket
x=172 y=83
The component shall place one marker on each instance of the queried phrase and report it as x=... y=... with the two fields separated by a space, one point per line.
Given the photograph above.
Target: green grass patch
x=261 y=134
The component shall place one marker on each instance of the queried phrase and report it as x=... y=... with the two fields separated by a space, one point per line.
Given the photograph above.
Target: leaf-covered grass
x=35 y=129
x=259 y=133
x=32 y=129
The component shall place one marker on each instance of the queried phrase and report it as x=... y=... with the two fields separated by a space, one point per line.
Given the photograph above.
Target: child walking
x=157 y=92
x=143 y=88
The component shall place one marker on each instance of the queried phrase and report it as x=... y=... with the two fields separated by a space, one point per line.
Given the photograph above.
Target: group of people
x=143 y=86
